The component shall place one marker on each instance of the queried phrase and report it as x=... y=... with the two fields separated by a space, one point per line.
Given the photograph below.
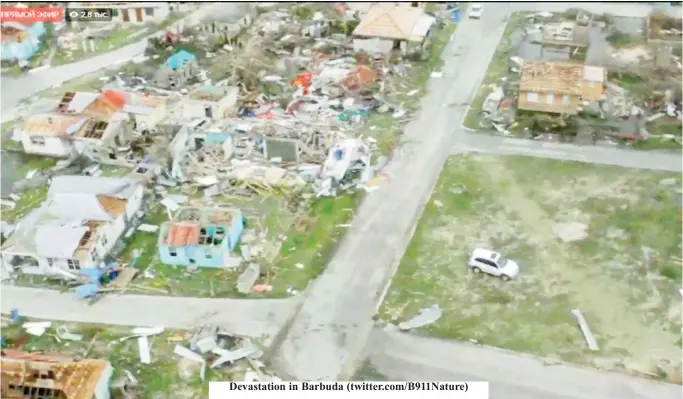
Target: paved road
x=653 y=160
x=17 y=89
x=253 y=318
x=405 y=357
x=326 y=339
x=334 y=324
x=335 y=321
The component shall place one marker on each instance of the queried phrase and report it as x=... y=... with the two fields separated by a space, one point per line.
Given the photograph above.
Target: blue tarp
x=455 y=14
x=177 y=60
x=87 y=290
x=93 y=275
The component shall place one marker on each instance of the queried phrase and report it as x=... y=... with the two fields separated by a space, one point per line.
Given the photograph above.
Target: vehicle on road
x=476 y=10
x=493 y=263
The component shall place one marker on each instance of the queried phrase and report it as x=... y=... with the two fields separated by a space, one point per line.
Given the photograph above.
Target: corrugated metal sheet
x=113 y=186
x=58 y=241
x=81 y=101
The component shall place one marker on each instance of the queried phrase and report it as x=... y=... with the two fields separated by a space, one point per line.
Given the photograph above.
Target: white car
x=493 y=263
x=476 y=10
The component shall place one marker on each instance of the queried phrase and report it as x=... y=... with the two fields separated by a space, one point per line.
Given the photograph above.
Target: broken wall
x=541 y=102
x=285 y=149
x=373 y=46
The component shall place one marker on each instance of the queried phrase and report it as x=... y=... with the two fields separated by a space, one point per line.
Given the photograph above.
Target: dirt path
x=602 y=298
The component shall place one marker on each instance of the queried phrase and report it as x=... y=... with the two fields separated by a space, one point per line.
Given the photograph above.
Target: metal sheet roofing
x=58 y=241
x=81 y=101
x=112 y=186
x=423 y=25
x=50 y=124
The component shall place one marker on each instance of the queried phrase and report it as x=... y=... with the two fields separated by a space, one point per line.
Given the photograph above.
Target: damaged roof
x=186 y=227
x=76 y=102
x=114 y=100
x=116 y=187
x=65 y=376
x=395 y=22
x=56 y=228
x=182 y=234
x=361 y=78
x=107 y=103
x=52 y=124
x=117 y=99
x=551 y=77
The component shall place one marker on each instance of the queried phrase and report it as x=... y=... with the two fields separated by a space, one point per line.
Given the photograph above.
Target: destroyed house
x=45 y=376
x=145 y=111
x=213 y=102
x=76 y=226
x=177 y=70
x=200 y=237
x=558 y=87
x=565 y=34
x=20 y=41
x=62 y=135
x=226 y=23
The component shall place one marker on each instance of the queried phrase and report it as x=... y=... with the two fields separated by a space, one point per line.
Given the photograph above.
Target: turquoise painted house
x=19 y=41
x=180 y=59
x=201 y=237
x=177 y=70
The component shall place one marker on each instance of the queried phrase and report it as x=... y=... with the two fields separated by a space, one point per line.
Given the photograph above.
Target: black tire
x=505 y=277
x=476 y=270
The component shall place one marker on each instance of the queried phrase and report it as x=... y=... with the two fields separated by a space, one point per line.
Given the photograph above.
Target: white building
x=62 y=136
x=213 y=102
x=77 y=225
x=134 y=12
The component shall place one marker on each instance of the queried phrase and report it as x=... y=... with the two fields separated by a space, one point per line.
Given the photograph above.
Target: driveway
x=252 y=318
x=19 y=88
x=326 y=339
x=406 y=357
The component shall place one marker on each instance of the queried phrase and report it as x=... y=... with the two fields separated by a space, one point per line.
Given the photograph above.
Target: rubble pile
x=637 y=86
x=298 y=123
x=209 y=346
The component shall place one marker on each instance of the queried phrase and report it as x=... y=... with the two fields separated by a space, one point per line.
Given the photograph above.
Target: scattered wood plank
x=587 y=334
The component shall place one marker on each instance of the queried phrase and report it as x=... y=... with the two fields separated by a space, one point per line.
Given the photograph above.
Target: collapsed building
x=557 y=87
x=200 y=237
x=45 y=376
x=75 y=228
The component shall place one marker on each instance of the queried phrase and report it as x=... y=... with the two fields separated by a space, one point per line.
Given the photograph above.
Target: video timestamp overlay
x=313 y=390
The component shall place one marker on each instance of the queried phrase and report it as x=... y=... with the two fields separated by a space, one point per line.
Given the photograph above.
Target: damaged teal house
x=200 y=237
x=21 y=41
x=177 y=70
